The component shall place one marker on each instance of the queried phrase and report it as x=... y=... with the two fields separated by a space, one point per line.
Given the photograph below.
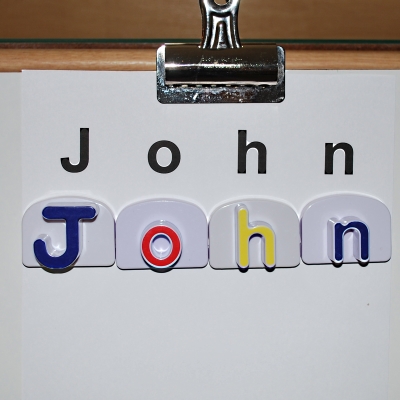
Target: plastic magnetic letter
x=161 y=235
x=336 y=231
x=345 y=228
x=72 y=217
x=161 y=245
x=244 y=233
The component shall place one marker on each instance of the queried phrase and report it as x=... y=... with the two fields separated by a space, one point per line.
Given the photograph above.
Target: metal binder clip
x=220 y=70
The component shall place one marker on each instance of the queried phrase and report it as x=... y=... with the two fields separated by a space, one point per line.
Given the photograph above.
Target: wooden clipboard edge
x=144 y=59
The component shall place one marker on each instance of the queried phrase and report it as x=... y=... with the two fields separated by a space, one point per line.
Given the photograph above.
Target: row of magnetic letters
x=165 y=234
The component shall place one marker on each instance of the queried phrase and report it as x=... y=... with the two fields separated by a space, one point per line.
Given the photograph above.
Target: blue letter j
x=71 y=216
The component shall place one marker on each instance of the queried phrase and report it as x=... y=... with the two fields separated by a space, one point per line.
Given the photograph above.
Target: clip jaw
x=220 y=70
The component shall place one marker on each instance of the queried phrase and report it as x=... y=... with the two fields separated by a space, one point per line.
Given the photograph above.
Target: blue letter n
x=336 y=231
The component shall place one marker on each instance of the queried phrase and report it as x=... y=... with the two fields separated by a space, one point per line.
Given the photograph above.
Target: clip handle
x=220 y=25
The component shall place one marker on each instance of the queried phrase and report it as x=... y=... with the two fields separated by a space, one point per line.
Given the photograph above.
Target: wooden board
x=293 y=19
x=15 y=60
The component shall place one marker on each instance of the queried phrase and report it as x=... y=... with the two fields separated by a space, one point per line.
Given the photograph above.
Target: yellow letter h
x=245 y=232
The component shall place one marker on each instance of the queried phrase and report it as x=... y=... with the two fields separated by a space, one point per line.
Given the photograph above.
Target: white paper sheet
x=310 y=332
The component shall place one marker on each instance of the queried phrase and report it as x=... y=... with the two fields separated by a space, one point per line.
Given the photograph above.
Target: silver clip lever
x=220 y=70
x=220 y=25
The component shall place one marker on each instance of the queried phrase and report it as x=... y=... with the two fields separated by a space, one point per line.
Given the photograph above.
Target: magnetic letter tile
x=70 y=231
x=346 y=228
x=254 y=234
x=161 y=235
